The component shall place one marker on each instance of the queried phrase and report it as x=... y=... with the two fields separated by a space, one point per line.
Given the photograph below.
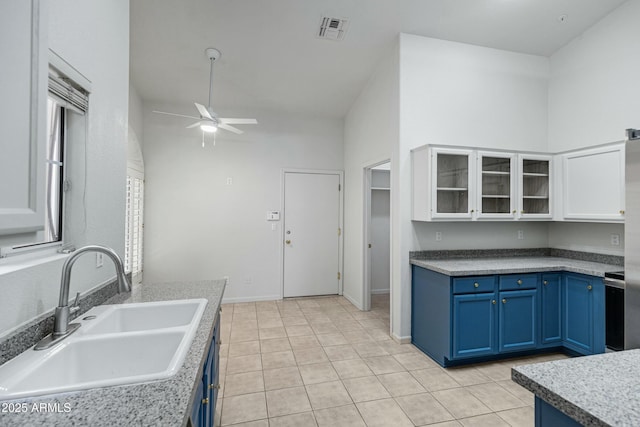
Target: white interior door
x=311 y=234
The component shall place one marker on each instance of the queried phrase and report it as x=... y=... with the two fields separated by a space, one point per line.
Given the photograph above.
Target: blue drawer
x=518 y=281
x=470 y=285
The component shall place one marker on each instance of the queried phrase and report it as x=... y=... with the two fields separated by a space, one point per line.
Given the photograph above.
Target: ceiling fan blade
x=230 y=128
x=174 y=114
x=196 y=124
x=238 y=121
x=203 y=111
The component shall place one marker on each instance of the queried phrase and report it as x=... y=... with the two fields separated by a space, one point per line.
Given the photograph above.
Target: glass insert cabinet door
x=534 y=186
x=452 y=172
x=496 y=185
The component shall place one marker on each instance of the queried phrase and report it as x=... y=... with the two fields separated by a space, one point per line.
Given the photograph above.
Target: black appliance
x=614 y=310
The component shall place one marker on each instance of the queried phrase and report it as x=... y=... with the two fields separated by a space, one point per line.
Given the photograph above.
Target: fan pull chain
x=202 y=139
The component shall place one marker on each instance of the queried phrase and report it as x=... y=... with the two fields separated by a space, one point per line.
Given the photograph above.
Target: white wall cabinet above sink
x=593 y=187
x=469 y=184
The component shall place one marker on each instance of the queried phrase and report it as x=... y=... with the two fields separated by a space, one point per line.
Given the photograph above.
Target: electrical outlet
x=520 y=235
x=615 y=240
x=229 y=181
x=438 y=236
x=248 y=280
x=226 y=280
x=99 y=260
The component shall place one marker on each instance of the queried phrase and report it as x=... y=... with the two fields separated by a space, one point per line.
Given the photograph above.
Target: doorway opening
x=377 y=239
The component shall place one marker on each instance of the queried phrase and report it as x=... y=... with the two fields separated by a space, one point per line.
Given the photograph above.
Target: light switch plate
x=273 y=215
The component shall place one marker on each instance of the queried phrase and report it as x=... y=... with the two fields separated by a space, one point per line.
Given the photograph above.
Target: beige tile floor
x=322 y=362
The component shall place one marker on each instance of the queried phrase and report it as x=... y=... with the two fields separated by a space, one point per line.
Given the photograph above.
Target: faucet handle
x=75 y=307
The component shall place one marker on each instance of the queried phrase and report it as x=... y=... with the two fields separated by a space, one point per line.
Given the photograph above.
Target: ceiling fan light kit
x=209 y=121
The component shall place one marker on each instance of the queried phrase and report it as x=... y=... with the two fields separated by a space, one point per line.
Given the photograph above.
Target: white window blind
x=134 y=227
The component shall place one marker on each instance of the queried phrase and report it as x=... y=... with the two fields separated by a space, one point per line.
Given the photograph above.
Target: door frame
x=340 y=174
x=366 y=234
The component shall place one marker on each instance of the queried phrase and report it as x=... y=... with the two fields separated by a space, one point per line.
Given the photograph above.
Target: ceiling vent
x=333 y=28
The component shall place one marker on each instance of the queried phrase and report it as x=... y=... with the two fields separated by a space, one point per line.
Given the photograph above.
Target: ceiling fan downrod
x=213 y=55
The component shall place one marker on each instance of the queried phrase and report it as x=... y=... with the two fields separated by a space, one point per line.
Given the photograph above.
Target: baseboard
x=352 y=301
x=235 y=300
x=401 y=340
x=379 y=291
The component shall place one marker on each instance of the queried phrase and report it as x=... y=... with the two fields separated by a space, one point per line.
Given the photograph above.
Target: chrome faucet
x=62 y=328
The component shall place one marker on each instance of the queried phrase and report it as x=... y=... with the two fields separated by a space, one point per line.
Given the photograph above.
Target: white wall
x=370 y=136
x=593 y=83
x=197 y=226
x=457 y=94
x=592 y=100
x=94 y=38
x=380 y=240
x=135 y=159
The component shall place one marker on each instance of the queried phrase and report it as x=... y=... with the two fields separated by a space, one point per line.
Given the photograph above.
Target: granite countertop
x=524 y=264
x=600 y=390
x=155 y=403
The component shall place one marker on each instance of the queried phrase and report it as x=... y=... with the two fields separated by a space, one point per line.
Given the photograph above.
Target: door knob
x=504 y=300
x=288 y=242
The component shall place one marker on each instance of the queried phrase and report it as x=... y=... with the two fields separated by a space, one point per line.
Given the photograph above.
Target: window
x=134 y=227
x=64 y=99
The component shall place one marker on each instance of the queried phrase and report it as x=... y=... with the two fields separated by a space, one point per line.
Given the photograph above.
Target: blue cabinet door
x=198 y=412
x=551 y=309
x=474 y=325
x=210 y=377
x=583 y=313
x=518 y=321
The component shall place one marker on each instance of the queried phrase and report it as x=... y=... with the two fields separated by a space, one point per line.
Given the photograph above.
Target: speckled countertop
x=600 y=390
x=157 y=403
x=486 y=266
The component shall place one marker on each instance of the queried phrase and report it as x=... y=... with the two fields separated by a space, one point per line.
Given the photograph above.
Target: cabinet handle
x=589 y=287
x=288 y=242
x=504 y=300
x=545 y=283
x=493 y=301
x=476 y=284
x=519 y=282
x=205 y=401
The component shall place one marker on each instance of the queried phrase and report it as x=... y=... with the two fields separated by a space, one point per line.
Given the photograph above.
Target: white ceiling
x=271 y=58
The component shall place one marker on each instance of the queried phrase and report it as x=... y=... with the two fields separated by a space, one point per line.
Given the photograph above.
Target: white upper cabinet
x=443 y=184
x=474 y=184
x=452 y=173
x=593 y=187
x=534 y=186
x=469 y=184
x=23 y=119
x=496 y=185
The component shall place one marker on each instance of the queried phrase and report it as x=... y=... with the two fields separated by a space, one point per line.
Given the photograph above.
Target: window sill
x=22 y=262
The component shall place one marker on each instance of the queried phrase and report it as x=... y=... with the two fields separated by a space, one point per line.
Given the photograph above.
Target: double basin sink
x=115 y=344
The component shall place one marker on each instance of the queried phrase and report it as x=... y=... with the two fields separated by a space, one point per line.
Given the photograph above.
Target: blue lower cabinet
x=583 y=308
x=198 y=412
x=458 y=320
x=517 y=321
x=204 y=403
x=551 y=310
x=548 y=416
x=474 y=317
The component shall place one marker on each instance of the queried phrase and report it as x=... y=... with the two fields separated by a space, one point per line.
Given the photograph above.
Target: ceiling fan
x=209 y=121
